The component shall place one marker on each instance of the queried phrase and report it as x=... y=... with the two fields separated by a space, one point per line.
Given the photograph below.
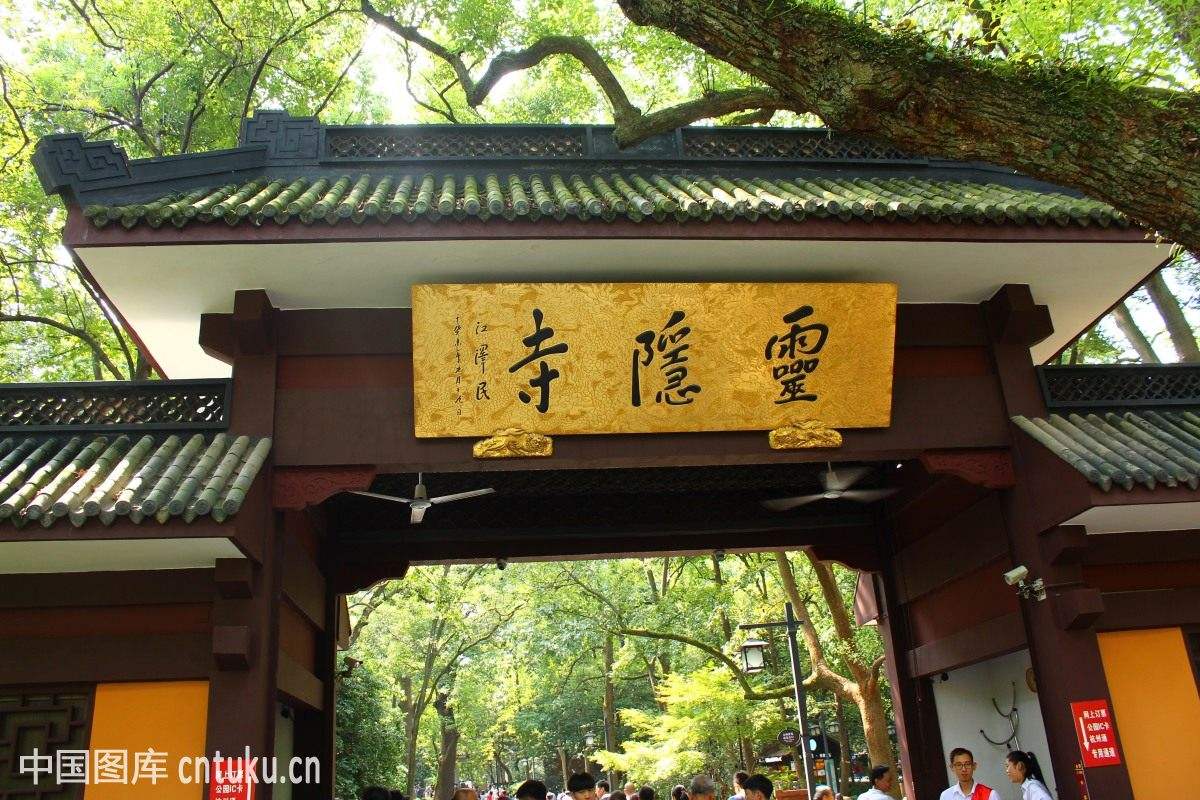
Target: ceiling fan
x=836 y=485
x=421 y=501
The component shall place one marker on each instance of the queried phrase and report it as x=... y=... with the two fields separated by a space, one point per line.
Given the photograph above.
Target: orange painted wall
x=1156 y=704
x=168 y=716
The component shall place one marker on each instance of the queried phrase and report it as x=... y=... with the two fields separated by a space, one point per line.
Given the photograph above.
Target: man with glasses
x=962 y=764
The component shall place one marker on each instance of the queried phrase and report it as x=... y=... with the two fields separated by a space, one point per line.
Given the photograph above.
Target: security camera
x=1016 y=575
x=501 y=563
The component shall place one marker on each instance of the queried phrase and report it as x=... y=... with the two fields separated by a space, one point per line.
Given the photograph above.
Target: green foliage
x=532 y=683
x=369 y=744
x=159 y=79
x=703 y=714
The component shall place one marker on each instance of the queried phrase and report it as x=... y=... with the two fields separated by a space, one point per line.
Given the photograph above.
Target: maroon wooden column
x=1063 y=646
x=917 y=728
x=243 y=685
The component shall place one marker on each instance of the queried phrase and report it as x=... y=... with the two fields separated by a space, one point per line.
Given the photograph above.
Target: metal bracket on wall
x=1014 y=722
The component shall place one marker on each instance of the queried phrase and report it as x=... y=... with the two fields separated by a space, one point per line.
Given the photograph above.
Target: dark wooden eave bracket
x=249 y=330
x=297 y=488
x=1013 y=317
x=232 y=647
x=991 y=469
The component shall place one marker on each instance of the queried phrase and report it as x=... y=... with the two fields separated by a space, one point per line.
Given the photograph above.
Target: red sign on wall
x=229 y=780
x=1096 y=733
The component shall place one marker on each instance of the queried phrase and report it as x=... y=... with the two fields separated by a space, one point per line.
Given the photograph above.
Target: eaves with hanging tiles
x=1127 y=426
x=294 y=171
x=148 y=452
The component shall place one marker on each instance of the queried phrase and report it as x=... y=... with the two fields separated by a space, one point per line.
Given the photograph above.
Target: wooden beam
x=359 y=564
x=372 y=424
x=994 y=637
x=232 y=647
x=136 y=587
x=1076 y=607
x=96 y=659
x=299 y=684
x=234 y=578
x=303 y=583
x=1065 y=544
x=253 y=322
x=1155 y=608
x=1144 y=547
x=960 y=546
x=1014 y=318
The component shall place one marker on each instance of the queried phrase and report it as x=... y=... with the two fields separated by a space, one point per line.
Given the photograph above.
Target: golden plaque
x=607 y=358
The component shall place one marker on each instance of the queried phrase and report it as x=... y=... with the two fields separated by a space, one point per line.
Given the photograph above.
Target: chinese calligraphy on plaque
x=669 y=347
x=629 y=358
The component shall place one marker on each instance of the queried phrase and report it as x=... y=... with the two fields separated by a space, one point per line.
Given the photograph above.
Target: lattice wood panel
x=387 y=145
x=174 y=405
x=793 y=145
x=1123 y=385
x=46 y=719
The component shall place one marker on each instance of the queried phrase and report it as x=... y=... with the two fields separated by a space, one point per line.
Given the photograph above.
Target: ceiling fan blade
x=868 y=495
x=842 y=478
x=449 y=498
x=417 y=514
x=787 y=503
x=392 y=498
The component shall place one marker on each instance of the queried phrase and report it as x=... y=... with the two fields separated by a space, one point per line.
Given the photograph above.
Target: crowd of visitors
x=1021 y=767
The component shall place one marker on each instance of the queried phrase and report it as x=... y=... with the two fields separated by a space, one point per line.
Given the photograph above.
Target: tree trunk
x=719 y=580
x=610 y=705
x=863 y=688
x=1130 y=330
x=1129 y=146
x=565 y=764
x=844 y=742
x=747 y=748
x=1183 y=338
x=448 y=763
x=875 y=730
x=411 y=725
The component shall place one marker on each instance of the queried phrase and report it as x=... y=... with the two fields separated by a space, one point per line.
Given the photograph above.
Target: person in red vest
x=962 y=764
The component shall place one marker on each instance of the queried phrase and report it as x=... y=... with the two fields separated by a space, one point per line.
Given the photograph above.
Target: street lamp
x=752 y=656
x=590 y=740
x=753 y=659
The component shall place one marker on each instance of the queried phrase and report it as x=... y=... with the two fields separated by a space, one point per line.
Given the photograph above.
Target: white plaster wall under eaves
x=162 y=290
x=108 y=555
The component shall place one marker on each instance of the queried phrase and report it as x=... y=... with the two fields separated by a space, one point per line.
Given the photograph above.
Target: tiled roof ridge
x=80 y=477
x=638 y=195
x=1125 y=448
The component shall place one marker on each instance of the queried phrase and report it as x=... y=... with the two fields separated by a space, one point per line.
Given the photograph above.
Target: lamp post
x=834 y=729
x=827 y=751
x=752 y=654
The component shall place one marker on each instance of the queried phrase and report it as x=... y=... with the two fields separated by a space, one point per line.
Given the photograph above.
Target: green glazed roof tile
x=1150 y=448
x=80 y=477
x=655 y=196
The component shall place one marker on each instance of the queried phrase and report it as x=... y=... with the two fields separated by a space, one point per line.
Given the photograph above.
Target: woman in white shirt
x=1022 y=768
